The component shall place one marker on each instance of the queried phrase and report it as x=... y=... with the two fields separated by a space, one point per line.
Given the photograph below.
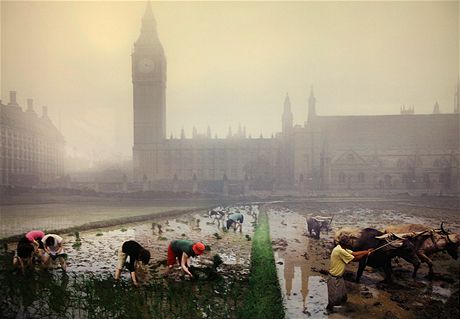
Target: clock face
x=146 y=65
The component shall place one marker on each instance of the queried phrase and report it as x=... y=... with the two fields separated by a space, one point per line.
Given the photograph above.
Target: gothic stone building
x=31 y=148
x=330 y=153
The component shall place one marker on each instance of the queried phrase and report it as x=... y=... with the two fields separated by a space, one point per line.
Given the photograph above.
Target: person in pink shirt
x=35 y=238
x=27 y=246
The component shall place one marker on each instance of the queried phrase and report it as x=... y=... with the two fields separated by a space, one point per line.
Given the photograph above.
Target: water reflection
x=317 y=299
x=292 y=267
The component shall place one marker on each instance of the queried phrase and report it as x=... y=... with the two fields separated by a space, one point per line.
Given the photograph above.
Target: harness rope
x=380 y=247
x=384 y=245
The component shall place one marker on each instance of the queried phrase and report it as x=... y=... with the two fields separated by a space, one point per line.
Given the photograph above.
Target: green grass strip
x=264 y=297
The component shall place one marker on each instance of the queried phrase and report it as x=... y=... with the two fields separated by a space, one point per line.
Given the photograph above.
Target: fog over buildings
x=229 y=63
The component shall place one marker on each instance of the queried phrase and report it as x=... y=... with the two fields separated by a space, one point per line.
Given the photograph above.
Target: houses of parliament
x=401 y=152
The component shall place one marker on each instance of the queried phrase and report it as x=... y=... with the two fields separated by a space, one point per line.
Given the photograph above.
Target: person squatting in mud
x=181 y=251
x=53 y=250
x=27 y=246
x=341 y=255
x=131 y=254
x=235 y=220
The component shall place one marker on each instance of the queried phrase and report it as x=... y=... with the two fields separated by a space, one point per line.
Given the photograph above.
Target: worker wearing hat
x=181 y=250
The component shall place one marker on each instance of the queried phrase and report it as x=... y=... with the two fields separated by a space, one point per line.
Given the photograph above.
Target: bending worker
x=235 y=220
x=136 y=253
x=53 y=250
x=181 y=250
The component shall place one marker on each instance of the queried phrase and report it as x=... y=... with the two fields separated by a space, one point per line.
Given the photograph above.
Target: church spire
x=311 y=106
x=287 y=121
x=287 y=103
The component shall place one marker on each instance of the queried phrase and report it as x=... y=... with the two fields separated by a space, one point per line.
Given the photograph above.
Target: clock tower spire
x=149 y=92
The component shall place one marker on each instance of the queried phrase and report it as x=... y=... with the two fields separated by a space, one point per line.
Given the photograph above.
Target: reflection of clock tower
x=149 y=97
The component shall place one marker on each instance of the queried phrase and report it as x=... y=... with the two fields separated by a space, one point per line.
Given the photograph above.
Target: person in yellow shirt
x=341 y=255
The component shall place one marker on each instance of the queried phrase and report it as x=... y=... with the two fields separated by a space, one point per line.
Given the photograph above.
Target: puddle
x=291 y=247
x=317 y=297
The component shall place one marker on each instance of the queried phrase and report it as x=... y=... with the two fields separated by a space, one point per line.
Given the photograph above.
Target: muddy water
x=300 y=258
x=289 y=244
x=18 y=219
x=97 y=253
x=96 y=257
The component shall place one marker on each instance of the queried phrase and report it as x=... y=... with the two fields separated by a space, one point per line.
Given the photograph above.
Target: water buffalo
x=216 y=215
x=427 y=241
x=391 y=246
x=317 y=223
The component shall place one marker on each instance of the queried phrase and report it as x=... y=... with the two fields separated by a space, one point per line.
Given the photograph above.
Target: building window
x=361 y=177
x=342 y=177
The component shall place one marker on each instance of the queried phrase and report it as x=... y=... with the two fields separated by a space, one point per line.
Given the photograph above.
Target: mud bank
x=300 y=259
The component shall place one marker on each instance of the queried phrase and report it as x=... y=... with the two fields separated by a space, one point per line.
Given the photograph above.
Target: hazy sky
x=228 y=62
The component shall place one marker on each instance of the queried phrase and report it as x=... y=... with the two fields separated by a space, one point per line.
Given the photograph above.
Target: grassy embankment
x=264 y=297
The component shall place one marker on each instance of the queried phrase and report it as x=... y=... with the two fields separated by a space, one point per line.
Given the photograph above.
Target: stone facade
x=390 y=152
x=329 y=153
x=31 y=148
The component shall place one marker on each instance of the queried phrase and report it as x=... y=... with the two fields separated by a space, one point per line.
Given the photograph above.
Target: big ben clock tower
x=149 y=97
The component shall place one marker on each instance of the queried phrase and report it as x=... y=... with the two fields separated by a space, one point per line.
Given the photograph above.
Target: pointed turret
x=408 y=110
x=311 y=107
x=287 y=118
x=208 y=132
x=149 y=34
x=436 y=108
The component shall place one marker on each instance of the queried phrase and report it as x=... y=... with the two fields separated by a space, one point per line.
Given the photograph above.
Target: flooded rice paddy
x=17 y=219
x=299 y=260
x=88 y=290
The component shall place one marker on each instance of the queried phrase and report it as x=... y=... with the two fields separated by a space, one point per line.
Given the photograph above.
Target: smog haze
x=229 y=63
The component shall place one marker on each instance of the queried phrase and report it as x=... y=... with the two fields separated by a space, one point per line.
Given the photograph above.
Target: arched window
x=361 y=177
x=342 y=177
